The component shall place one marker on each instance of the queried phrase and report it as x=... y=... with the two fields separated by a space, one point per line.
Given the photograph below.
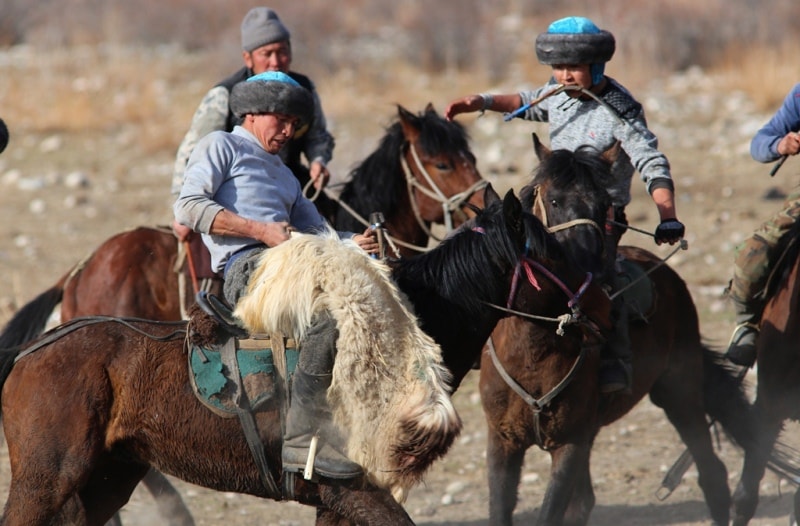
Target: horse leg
x=368 y=506
x=568 y=462
x=108 y=489
x=504 y=462
x=687 y=415
x=745 y=498
x=170 y=503
x=582 y=502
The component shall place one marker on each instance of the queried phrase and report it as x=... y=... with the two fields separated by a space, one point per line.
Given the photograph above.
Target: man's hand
x=669 y=231
x=790 y=144
x=183 y=233
x=319 y=174
x=368 y=241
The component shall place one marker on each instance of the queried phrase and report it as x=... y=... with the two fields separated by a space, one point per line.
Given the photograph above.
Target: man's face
x=273 y=130
x=271 y=57
x=573 y=75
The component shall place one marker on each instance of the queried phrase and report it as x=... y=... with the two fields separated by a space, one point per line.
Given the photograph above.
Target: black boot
x=616 y=369
x=742 y=349
x=309 y=414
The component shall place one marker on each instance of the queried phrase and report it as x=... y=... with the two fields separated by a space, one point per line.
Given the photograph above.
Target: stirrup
x=743 y=354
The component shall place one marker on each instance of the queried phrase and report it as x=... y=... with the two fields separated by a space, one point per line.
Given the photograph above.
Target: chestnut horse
x=89 y=407
x=423 y=172
x=551 y=398
x=778 y=388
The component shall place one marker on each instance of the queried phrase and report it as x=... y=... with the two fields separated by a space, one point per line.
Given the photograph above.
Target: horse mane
x=579 y=169
x=473 y=262
x=390 y=388
x=378 y=181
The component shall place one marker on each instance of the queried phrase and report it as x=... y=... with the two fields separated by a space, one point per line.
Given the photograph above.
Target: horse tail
x=726 y=402
x=31 y=320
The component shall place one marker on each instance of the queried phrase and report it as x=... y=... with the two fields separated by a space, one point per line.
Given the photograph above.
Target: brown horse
x=423 y=172
x=778 y=388
x=551 y=398
x=90 y=406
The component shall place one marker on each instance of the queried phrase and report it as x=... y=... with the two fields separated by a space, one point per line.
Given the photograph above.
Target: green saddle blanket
x=214 y=387
x=637 y=290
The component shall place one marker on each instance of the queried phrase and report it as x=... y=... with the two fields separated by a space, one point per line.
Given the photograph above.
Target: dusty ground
x=61 y=194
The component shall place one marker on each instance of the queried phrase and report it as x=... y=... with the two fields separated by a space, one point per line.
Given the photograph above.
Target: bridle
x=450 y=205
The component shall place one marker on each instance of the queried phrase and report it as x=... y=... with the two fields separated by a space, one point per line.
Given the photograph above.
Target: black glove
x=669 y=231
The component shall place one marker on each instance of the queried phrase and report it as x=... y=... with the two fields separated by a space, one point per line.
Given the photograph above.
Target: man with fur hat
x=577 y=50
x=266 y=46
x=243 y=199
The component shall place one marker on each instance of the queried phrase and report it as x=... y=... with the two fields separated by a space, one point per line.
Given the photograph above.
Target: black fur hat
x=575 y=40
x=272 y=92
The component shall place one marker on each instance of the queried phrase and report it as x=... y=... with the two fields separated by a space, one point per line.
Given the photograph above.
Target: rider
x=577 y=50
x=754 y=256
x=266 y=46
x=243 y=199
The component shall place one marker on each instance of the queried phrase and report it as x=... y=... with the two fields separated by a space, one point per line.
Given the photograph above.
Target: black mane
x=583 y=170
x=378 y=181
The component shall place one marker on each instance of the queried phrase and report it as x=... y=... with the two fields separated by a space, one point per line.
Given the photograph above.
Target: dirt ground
x=63 y=193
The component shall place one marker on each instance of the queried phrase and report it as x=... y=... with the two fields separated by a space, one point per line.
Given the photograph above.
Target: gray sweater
x=233 y=171
x=575 y=122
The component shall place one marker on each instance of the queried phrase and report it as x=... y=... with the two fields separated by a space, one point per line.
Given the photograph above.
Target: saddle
x=228 y=364
x=637 y=289
x=237 y=374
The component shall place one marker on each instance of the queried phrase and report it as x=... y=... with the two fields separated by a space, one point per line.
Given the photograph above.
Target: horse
x=422 y=172
x=90 y=406
x=436 y=176
x=541 y=389
x=778 y=376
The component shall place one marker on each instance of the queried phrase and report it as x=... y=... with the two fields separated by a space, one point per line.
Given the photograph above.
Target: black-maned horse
x=562 y=409
x=91 y=409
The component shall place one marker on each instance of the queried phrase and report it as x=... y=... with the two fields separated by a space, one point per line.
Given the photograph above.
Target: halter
x=538 y=206
x=449 y=205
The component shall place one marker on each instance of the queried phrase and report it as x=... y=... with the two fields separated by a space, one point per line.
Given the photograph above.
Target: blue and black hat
x=272 y=92
x=576 y=40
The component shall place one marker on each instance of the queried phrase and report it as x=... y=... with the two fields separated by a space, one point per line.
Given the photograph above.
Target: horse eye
x=554 y=203
x=442 y=166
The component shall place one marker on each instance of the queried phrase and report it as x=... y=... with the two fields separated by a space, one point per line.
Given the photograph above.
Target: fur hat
x=272 y=92
x=261 y=26
x=574 y=40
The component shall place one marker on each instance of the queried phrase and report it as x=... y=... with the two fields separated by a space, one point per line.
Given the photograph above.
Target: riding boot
x=309 y=414
x=742 y=349
x=616 y=368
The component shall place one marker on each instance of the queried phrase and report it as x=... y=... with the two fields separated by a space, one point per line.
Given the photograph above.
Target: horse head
x=439 y=167
x=568 y=193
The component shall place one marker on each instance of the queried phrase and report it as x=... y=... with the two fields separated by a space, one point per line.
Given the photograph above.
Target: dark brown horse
x=88 y=409
x=423 y=172
x=778 y=388
x=555 y=402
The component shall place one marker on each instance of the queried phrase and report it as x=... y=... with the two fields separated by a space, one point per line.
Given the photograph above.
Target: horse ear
x=512 y=211
x=410 y=123
x=612 y=153
x=542 y=151
x=490 y=195
x=429 y=108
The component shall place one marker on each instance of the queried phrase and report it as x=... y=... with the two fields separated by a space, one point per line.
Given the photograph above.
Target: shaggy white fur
x=389 y=392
